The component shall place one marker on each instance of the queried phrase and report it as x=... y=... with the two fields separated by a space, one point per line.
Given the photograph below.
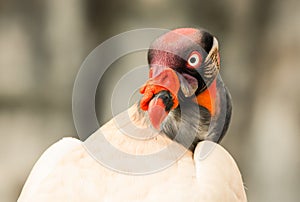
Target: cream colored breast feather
x=66 y=172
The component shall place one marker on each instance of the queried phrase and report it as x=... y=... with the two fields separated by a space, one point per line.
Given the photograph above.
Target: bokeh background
x=43 y=43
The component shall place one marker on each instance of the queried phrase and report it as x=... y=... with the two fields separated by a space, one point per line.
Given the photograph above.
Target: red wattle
x=157 y=112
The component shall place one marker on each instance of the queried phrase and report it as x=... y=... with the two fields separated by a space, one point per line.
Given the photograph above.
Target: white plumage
x=66 y=172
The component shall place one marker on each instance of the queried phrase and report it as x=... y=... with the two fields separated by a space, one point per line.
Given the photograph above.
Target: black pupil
x=193 y=60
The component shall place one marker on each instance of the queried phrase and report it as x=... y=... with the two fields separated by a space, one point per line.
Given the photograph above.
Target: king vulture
x=184 y=99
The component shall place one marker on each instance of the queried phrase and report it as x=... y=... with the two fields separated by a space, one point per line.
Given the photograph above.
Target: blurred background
x=43 y=43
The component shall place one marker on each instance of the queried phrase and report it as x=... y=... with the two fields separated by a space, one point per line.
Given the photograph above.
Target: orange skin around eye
x=208 y=98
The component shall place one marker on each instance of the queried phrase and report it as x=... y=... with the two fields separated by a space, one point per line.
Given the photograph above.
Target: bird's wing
x=217 y=173
x=46 y=163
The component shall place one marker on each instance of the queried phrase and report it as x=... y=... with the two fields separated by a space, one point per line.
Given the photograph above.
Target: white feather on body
x=66 y=172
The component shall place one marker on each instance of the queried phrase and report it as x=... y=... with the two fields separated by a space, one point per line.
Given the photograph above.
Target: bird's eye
x=194 y=60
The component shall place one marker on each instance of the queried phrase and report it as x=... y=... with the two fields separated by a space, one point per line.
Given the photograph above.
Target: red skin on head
x=166 y=48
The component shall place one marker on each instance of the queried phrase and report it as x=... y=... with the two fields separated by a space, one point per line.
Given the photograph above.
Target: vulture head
x=184 y=65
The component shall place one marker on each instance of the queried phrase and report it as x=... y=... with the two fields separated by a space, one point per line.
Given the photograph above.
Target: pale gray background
x=42 y=45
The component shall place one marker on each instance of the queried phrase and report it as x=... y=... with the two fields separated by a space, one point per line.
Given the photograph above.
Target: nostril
x=166 y=96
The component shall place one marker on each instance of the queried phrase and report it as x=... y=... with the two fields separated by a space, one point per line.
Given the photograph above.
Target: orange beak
x=160 y=79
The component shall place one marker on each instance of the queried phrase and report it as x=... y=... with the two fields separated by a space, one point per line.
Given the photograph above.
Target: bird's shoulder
x=46 y=163
x=215 y=166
